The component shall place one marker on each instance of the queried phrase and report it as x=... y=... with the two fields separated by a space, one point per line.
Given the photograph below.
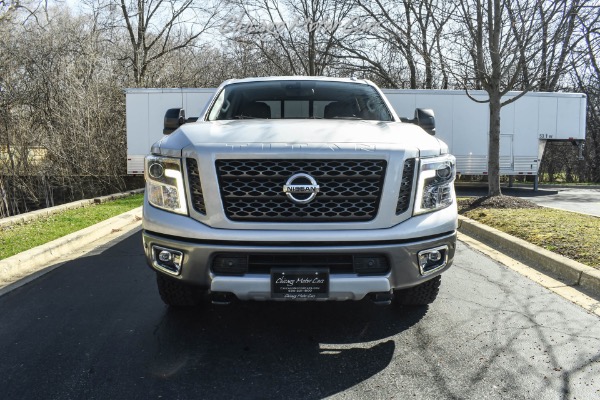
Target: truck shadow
x=102 y=316
x=276 y=350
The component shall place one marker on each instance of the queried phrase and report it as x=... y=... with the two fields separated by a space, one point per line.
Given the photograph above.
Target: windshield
x=299 y=99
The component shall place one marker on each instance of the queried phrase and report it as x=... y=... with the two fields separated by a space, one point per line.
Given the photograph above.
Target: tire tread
x=420 y=295
x=177 y=294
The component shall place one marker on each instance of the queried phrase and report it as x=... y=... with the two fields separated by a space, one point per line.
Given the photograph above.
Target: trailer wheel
x=178 y=294
x=420 y=295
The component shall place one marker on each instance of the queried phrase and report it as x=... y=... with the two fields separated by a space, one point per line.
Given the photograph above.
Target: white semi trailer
x=526 y=124
x=145 y=113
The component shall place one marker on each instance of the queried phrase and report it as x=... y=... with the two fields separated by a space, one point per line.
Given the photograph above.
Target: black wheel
x=420 y=295
x=178 y=294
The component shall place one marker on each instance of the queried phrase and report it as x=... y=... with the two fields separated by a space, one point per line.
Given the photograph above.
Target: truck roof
x=252 y=79
x=297 y=78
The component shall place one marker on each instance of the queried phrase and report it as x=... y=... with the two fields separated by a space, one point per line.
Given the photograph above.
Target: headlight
x=435 y=187
x=164 y=184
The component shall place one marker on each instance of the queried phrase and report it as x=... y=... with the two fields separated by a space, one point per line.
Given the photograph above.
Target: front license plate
x=299 y=284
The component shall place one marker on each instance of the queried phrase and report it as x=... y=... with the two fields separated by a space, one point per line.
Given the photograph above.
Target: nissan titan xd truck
x=299 y=189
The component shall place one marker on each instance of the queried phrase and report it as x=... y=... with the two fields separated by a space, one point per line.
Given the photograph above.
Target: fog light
x=434 y=256
x=432 y=260
x=165 y=256
x=371 y=265
x=230 y=265
x=167 y=260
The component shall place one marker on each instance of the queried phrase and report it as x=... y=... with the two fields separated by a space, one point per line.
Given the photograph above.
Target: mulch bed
x=465 y=205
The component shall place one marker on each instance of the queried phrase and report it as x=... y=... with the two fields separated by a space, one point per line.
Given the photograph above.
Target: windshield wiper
x=244 y=117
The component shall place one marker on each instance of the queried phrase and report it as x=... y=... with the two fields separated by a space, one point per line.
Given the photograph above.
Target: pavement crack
x=530 y=319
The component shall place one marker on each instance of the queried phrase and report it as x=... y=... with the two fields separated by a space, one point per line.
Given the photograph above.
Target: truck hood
x=368 y=134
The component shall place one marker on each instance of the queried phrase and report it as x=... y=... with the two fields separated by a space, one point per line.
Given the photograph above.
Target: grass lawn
x=21 y=237
x=570 y=234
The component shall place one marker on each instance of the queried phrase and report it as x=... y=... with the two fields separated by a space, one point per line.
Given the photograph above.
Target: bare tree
x=559 y=39
x=61 y=135
x=9 y=151
x=296 y=37
x=159 y=28
x=8 y=8
x=586 y=76
x=412 y=31
x=504 y=43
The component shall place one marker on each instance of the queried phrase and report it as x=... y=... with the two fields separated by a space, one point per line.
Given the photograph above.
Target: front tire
x=177 y=294
x=420 y=295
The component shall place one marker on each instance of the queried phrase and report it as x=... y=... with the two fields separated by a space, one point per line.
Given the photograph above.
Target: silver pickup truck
x=299 y=188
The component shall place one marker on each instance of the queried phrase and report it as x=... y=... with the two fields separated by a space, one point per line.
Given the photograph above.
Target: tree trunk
x=494 y=147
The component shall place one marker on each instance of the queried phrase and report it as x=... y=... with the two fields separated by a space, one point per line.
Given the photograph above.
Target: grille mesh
x=362 y=264
x=252 y=190
x=195 y=187
x=408 y=173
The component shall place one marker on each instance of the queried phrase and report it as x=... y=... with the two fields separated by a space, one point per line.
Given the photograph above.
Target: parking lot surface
x=96 y=328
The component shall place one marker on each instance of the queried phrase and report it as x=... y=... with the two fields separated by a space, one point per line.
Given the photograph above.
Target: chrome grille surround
x=252 y=190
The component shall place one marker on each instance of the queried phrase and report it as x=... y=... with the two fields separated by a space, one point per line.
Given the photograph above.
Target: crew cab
x=299 y=189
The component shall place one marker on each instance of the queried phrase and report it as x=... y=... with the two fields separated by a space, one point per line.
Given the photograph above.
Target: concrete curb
x=34 y=260
x=573 y=272
x=504 y=185
x=30 y=216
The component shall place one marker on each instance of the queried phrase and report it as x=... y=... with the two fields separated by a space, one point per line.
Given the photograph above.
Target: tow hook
x=222 y=298
x=382 y=298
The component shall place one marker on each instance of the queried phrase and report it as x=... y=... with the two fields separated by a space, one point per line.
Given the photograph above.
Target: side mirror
x=424 y=118
x=174 y=118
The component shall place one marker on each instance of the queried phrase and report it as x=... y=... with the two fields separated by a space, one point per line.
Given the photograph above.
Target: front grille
x=262 y=263
x=252 y=190
x=236 y=264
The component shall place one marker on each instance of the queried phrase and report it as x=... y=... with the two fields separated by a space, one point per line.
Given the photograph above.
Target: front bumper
x=197 y=256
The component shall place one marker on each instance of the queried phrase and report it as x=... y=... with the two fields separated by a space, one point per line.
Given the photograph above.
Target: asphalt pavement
x=96 y=329
x=580 y=200
x=577 y=199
